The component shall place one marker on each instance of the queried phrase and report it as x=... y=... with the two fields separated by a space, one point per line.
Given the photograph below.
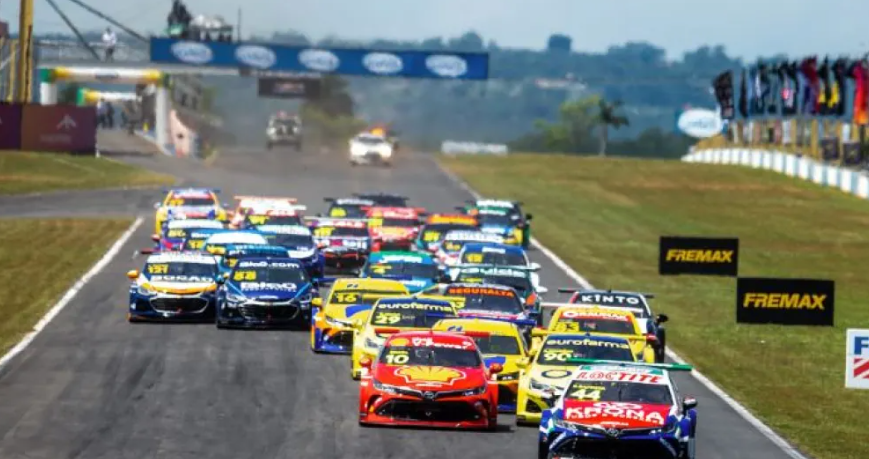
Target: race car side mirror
x=495 y=368
x=317 y=302
x=132 y=274
x=155 y=237
x=365 y=362
x=661 y=318
x=689 y=403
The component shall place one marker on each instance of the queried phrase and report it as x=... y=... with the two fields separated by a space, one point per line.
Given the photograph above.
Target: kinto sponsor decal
x=256 y=56
x=446 y=65
x=192 y=52
x=319 y=60
x=383 y=63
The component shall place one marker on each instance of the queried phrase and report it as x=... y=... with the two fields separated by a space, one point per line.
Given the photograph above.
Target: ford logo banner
x=340 y=61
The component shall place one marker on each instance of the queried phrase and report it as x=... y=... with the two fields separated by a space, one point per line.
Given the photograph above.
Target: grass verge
x=42 y=258
x=604 y=218
x=22 y=172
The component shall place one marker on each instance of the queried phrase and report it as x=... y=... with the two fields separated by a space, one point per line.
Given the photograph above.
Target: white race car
x=371 y=149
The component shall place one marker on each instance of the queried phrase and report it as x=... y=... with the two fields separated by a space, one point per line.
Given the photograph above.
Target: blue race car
x=236 y=252
x=265 y=292
x=299 y=240
x=417 y=271
x=174 y=286
x=619 y=410
x=501 y=222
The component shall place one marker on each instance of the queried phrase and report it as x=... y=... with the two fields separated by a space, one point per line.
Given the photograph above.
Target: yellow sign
x=700 y=256
x=784 y=301
x=430 y=374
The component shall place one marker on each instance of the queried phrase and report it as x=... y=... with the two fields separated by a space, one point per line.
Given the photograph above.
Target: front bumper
x=529 y=406
x=629 y=446
x=330 y=338
x=171 y=308
x=370 y=158
x=263 y=315
x=379 y=408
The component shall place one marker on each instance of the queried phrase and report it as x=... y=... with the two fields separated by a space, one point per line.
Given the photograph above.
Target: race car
x=284 y=129
x=417 y=271
x=613 y=409
x=635 y=302
x=486 y=301
x=256 y=218
x=348 y=207
x=235 y=252
x=431 y=379
x=547 y=371
x=393 y=228
x=499 y=342
x=174 y=286
x=332 y=322
x=512 y=207
x=438 y=225
x=299 y=240
x=520 y=279
x=368 y=148
x=600 y=321
x=447 y=252
x=195 y=240
x=217 y=242
x=392 y=315
x=266 y=292
x=247 y=204
x=383 y=199
x=183 y=203
x=176 y=231
x=502 y=222
x=492 y=254
x=345 y=243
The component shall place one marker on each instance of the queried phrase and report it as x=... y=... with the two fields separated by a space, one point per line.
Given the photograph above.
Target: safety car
x=217 y=242
x=633 y=301
x=182 y=203
x=499 y=342
x=367 y=148
x=265 y=292
x=345 y=243
x=512 y=207
x=332 y=321
x=284 y=129
x=393 y=228
x=348 y=207
x=548 y=368
x=623 y=410
x=417 y=271
x=438 y=225
x=389 y=316
x=447 y=252
x=601 y=321
x=299 y=240
x=176 y=231
x=173 y=286
x=431 y=379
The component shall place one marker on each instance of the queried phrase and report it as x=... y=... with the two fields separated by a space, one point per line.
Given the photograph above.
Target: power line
x=75 y=31
x=110 y=20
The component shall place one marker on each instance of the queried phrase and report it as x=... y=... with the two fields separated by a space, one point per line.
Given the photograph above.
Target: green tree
x=606 y=118
x=573 y=131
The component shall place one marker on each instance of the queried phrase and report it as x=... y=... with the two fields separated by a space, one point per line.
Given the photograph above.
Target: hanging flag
x=860 y=73
x=743 y=97
x=823 y=87
x=723 y=87
x=785 y=92
x=838 y=97
x=791 y=105
x=756 y=92
x=767 y=85
x=809 y=69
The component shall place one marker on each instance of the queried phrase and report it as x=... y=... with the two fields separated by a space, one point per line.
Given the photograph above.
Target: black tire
x=542 y=450
x=660 y=353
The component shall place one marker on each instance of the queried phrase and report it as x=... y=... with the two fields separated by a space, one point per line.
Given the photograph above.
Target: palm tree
x=606 y=118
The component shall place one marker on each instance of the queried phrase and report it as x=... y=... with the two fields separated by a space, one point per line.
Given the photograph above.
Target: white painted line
x=70 y=294
x=738 y=407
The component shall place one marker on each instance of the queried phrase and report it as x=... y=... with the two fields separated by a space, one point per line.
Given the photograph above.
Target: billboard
x=446 y=65
x=59 y=128
x=288 y=88
x=10 y=127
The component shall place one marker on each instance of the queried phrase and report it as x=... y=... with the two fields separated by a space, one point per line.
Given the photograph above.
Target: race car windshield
x=347 y=211
x=436 y=232
x=271 y=274
x=406 y=318
x=340 y=231
x=360 y=296
x=520 y=284
x=292 y=220
x=497 y=345
x=618 y=391
x=429 y=356
x=503 y=301
x=593 y=325
x=290 y=240
x=399 y=223
x=561 y=351
x=181 y=271
x=191 y=202
x=496 y=219
x=381 y=270
x=494 y=258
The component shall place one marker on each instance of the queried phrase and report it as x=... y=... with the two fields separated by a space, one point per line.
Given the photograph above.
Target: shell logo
x=430 y=374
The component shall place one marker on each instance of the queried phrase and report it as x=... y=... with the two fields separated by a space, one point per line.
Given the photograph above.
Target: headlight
x=232 y=299
x=385 y=387
x=540 y=386
x=370 y=343
x=507 y=376
x=337 y=322
x=306 y=298
x=574 y=426
x=357 y=150
x=145 y=291
x=475 y=391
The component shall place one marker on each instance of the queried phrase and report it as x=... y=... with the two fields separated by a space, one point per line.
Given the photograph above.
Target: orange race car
x=260 y=204
x=393 y=228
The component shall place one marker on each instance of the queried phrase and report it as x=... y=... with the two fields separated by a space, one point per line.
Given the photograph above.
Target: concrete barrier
x=848 y=180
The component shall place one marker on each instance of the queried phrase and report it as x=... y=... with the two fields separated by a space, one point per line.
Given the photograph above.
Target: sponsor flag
x=859 y=73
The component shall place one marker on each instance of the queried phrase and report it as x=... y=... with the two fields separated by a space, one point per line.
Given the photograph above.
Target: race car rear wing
x=530 y=268
x=663 y=366
x=578 y=290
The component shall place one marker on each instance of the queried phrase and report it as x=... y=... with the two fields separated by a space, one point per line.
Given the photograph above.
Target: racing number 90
x=556 y=354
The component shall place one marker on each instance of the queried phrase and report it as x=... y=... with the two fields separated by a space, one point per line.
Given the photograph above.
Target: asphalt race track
x=93 y=386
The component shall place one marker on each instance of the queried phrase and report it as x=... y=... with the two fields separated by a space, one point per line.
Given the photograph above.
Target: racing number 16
x=346 y=297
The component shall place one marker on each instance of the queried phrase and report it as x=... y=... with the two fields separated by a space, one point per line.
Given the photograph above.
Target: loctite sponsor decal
x=617 y=414
x=623 y=376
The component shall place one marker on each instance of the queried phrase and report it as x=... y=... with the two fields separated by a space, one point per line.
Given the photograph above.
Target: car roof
x=200 y=223
x=370 y=284
x=411 y=257
x=181 y=257
x=236 y=237
x=495 y=203
x=476 y=324
x=300 y=230
x=494 y=245
x=435 y=337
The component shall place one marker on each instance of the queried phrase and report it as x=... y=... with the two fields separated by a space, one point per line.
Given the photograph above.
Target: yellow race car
x=332 y=323
x=547 y=371
x=188 y=203
x=392 y=315
x=500 y=342
x=600 y=321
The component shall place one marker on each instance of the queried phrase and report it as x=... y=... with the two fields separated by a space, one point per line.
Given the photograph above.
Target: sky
x=747 y=28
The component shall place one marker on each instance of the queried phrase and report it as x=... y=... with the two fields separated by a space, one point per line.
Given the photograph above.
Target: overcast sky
x=747 y=28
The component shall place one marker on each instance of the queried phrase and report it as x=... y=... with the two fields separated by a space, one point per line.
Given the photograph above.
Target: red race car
x=429 y=379
x=394 y=228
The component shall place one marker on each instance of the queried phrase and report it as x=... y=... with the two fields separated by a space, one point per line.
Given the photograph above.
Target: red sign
x=10 y=127
x=861 y=368
x=59 y=128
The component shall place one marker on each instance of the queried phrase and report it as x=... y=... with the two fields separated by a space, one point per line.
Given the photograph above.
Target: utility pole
x=25 y=52
x=238 y=26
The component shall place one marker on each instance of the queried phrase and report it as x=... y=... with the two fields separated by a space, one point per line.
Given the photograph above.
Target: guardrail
x=451 y=147
x=848 y=180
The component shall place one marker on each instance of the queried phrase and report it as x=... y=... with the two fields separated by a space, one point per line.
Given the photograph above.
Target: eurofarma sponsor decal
x=699 y=256
x=857 y=359
x=785 y=301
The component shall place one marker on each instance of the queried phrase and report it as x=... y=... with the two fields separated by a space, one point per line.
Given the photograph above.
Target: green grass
x=42 y=258
x=38 y=172
x=604 y=218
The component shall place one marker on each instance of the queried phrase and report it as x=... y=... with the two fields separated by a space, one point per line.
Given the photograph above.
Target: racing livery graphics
x=345 y=243
x=183 y=203
x=416 y=270
x=174 y=286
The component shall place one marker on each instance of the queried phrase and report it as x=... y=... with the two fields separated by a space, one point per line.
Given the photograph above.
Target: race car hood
x=347 y=312
x=177 y=288
x=617 y=415
x=553 y=375
x=269 y=290
x=430 y=378
x=390 y=233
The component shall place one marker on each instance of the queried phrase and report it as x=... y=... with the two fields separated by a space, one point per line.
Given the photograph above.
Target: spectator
x=110 y=40
x=101 y=112
x=110 y=115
